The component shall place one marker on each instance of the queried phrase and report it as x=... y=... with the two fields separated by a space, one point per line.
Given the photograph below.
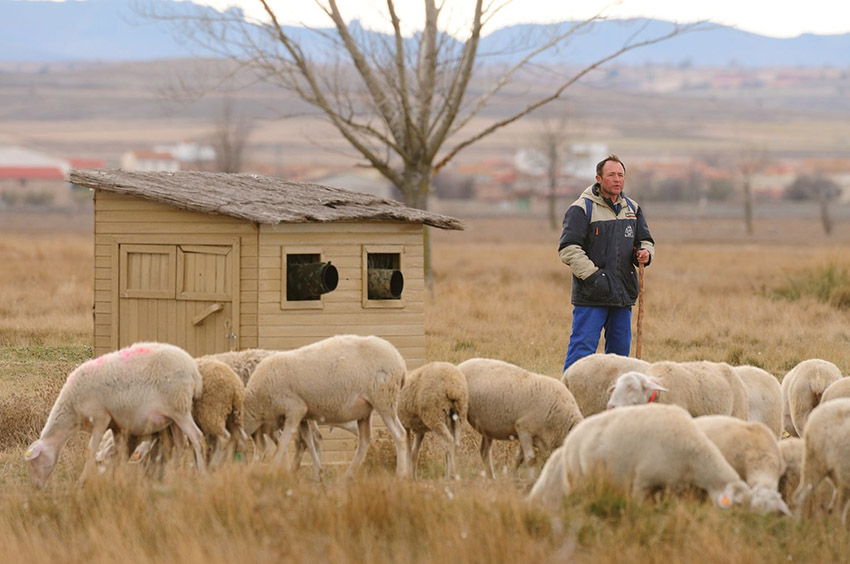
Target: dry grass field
x=771 y=300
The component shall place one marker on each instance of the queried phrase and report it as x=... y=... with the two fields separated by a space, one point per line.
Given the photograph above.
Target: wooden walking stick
x=639 y=342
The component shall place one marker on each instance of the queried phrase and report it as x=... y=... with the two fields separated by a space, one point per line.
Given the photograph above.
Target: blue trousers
x=588 y=323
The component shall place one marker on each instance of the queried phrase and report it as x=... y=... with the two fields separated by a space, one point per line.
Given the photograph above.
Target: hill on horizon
x=109 y=30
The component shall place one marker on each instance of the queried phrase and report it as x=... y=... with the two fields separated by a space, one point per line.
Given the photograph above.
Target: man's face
x=612 y=180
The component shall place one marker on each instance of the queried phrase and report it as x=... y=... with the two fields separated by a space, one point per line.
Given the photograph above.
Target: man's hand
x=643 y=256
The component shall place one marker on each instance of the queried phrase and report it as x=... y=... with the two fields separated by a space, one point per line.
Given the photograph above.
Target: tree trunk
x=748 y=206
x=823 y=200
x=416 y=190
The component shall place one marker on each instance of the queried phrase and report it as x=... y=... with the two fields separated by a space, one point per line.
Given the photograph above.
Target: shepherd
x=605 y=235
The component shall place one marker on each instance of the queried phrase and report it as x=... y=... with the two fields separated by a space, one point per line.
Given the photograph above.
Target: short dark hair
x=612 y=157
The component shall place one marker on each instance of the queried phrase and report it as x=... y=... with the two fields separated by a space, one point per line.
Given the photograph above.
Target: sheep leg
x=443 y=431
x=364 y=437
x=189 y=428
x=222 y=441
x=487 y=455
x=525 y=454
x=290 y=427
x=396 y=429
x=415 y=448
x=300 y=445
x=311 y=440
x=801 y=494
x=99 y=427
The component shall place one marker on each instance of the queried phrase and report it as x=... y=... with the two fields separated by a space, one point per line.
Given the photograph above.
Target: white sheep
x=507 y=402
x=838 y=389
x=434 y=398
x=826 y=454
x=589 y=378
x=140 y=390
x=764 y=396
x=217 y=412
x=243 y=363
x=791 y=449
x=802 y=388
x=750 y=447
x=336 y=380
x=642 y=447
x=701 y=388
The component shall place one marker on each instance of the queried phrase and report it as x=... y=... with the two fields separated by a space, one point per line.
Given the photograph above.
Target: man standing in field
x=604 y=237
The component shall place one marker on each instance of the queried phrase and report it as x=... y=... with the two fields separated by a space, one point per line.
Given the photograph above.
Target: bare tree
x=753 y=159
x=551 y=140
x=230 y=138
x=819 y=187
x=404 y=104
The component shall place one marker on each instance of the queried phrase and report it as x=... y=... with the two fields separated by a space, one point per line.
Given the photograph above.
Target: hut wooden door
x=186 y=295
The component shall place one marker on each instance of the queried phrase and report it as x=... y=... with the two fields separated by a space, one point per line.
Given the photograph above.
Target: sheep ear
x=724 y=500
x=611 y=390
x=34 y=451
x=652 y=384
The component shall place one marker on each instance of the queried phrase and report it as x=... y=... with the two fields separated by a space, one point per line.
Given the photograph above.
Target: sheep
x=244 y=363
x=838 y=389
x=700 y=388
x=218 y=412
x=826 y=454
x=434 y=398
x=642 y=447
x=589 y=378
x=750 y=447
x=791 y=449
x=506 y=401
x=802 y=388
x=339 y=379
x=140 y=389
x=764 y=395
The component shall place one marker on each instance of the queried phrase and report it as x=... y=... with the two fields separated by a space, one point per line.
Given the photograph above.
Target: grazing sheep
x=802 y=388
x=750 y=447
x=336 y=380
x=643 y=447
x=507 y=402
x=218 y=412
x=826 y=454
x=590 y=377
x=791 y=449
x=242 y=362
x=434 y=398
x=838 y=389
x=140 y=390
x=699 y=388
x=764 y=396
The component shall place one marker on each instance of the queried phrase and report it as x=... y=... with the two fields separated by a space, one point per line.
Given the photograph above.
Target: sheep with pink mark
x=139 y=390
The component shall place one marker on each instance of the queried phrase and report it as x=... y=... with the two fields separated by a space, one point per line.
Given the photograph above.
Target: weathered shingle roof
x=263 y=199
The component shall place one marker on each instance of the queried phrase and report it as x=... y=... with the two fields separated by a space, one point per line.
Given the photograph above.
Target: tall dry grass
x=500 y=292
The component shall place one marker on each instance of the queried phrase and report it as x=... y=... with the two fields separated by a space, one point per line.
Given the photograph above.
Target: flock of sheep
x=660 y=425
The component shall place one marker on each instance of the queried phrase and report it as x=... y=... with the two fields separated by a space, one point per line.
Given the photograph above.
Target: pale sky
x=775 y=18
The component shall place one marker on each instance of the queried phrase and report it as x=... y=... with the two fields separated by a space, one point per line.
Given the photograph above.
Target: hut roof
x=255 y=197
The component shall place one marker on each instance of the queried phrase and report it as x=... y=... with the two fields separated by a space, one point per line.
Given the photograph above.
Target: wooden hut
x=215 y=262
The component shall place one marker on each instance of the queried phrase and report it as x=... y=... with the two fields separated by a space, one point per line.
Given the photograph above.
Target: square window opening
x=385 y=280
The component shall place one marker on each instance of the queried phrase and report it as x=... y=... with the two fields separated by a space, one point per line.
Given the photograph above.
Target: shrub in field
x=827 y=284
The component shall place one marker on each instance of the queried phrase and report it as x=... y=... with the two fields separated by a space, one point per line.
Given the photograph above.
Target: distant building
x=191 y=154
x=32 y=178
x=146 y=160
